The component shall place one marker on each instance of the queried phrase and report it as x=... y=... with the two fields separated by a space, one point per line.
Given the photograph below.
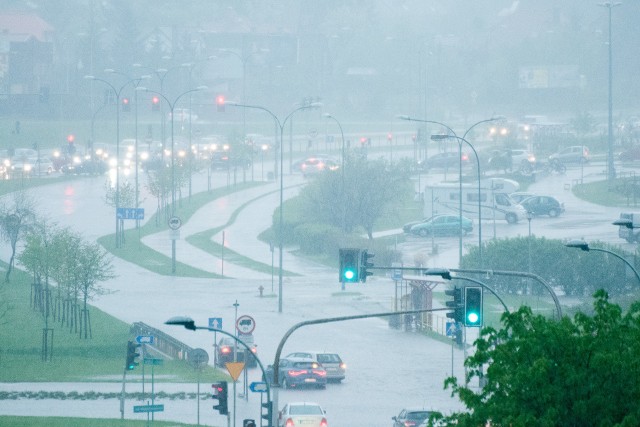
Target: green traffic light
x=472 y=318
x=349 y=274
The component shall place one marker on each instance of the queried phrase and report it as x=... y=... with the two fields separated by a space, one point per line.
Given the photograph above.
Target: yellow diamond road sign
x=234 y=368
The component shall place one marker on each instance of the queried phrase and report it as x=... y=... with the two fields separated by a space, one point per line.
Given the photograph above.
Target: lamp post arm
x=285 y=337
x=492 y=119
x=487 y=287
x=517 y=274
x=619 y=257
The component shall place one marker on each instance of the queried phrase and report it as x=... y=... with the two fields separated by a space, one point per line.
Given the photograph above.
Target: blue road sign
x=451 y=328
x=215 y=322
x=258 y=387
x=144 y=339
x=148 y=408
x=130 y=213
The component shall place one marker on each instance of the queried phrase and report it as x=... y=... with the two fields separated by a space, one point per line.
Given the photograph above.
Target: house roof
x=21 y=27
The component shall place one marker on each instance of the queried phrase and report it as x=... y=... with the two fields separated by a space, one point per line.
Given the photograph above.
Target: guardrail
x=163 y=342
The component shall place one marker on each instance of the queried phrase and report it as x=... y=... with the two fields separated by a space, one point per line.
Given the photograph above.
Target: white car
x=307 y=414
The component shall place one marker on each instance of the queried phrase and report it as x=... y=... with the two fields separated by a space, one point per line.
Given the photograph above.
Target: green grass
x=81 y=422
x=137 y=253
x=603 y=193
x=73 y=359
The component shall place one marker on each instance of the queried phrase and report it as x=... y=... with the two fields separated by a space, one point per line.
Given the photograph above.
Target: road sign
x=245 y=324
x=130 y=213
x=396 y=272
x=148 y=408
x=451 y=329
x=175 y=223
x=150 y=361
x=215 y=322
x=258 y=387
x=234 y=368
x=144 y=339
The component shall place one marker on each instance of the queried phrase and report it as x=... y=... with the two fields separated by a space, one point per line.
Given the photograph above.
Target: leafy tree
x=356 y=196
x=580 y=372
x=15 y=220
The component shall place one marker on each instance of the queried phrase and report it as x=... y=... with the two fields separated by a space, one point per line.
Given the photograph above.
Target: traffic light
x=269 y=407
x=132 y=354
x=349 y=265
x=365 y=264
x=220 y=393
x=248 y=423
x=126 y=105
x=155 y=103
x=220 y=103
x=456 y=304
x=473 y=306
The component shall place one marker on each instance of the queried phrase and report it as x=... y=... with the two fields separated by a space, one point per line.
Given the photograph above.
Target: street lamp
x=611 y=169
x=329 y=116
x=280 y=124
x=582 y=245
x=117 y=92
x=173 y=151
x=452 y=134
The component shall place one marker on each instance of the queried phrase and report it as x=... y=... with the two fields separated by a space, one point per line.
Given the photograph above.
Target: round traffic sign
x=198 y=357
x=245 y=324
x=174 y=222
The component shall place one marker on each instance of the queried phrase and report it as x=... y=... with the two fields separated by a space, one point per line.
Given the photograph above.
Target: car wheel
x=553 y=213
x=511 y=218
x=423 y=232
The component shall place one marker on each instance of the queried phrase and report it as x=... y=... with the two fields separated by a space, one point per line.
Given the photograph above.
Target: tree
x=15 y=220
x=356 y=196
x=573 y=372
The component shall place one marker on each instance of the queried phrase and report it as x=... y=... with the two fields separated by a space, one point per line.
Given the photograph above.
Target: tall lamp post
x=342 y=156
x=173 y=155
x=581 y=244
x=280 y=124
x=117 y=92
x=452 y=134
x=611 y=168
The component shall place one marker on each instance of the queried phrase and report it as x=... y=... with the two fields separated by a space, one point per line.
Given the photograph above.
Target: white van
x=494 y=202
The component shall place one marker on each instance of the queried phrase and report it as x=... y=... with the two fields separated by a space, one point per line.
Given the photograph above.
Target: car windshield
x=305 y=365
x=329 y=358
x=305 y=410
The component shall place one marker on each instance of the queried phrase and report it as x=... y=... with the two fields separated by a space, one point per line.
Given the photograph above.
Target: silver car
x=331 y=362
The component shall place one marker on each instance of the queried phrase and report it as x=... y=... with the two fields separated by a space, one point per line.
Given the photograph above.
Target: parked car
x=307 y=414
x=331 y=362
x=299 y=371
x=446 y=160
x=410 y=417
x=543 y=205
x=443 y=225
x=573 y=154
x=519 y=196
x=226 y=348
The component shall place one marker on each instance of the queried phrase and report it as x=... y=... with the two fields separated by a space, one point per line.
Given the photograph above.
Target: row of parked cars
x=449 y=224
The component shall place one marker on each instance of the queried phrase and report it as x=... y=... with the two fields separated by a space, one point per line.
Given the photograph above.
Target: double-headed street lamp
x=117 y=92
x=582 y=245
x=281 y=125
x=173 y=155
x=452 y=134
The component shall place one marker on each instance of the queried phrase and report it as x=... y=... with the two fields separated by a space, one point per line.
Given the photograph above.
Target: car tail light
x=297 y=373
x=322 y=373
x=225 y=350
x=465 y=157
x=289 y=423
x=409 y=424
x=324 y=423
x=254 y=350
